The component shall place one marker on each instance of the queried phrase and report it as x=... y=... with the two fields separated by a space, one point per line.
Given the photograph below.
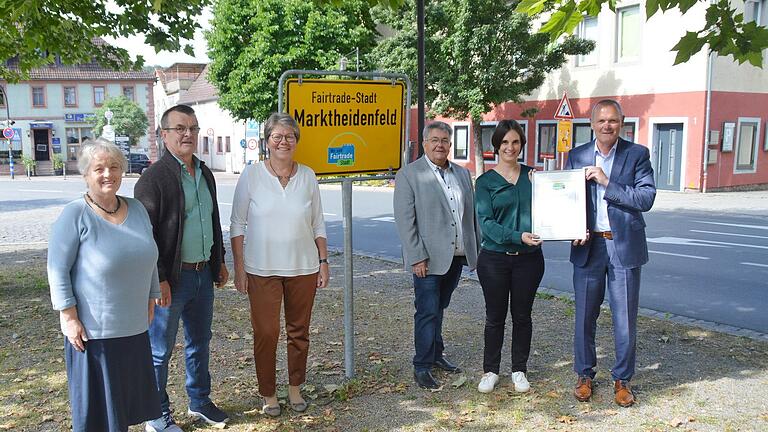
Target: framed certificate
x=560 y=205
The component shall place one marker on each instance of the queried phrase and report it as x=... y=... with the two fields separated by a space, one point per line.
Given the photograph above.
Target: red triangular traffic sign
x=564 y=111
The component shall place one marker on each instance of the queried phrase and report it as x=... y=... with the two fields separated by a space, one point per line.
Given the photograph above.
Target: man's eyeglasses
x=436 y=141
x=182 y=130
x=277 y=138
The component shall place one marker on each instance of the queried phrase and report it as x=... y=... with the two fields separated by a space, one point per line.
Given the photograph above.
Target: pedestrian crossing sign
x=564 y=111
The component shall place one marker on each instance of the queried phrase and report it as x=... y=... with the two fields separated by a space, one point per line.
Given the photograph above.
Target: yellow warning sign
x=564 y=136
x=348 y=126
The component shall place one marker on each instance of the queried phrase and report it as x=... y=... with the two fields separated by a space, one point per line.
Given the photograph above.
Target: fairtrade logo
x=342 y=156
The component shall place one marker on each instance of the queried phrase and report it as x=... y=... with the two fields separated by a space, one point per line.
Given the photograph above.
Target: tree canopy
x=127 y=118
x=724 y=31
x=252 y=42
x=36 y=31
x=479 y=54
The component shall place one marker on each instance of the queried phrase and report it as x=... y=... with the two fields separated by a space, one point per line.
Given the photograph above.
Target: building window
x=748 y=132
x=582 y=134
x=3 y=96
x=460 y=142
x=486 y=132
x=218 y=145
x=628 y=33
x=753 y=11
x=628 y=131
x=206 y=149
x=588 y=30
x=129 y=93
x=38 y=97
x=546 y=143
x=99 y=93
x=227 y=147
x=75 y=137
x=70 y=96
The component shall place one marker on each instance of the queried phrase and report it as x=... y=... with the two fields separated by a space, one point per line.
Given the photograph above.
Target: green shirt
x=504 y=211
x=197 y=238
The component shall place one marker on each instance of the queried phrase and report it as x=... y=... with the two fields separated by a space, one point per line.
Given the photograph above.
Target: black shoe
x=425 y=379
x=444 y=364
x=210 y=414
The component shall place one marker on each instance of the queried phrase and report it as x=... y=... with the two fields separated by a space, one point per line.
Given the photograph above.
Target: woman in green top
x=510 y=265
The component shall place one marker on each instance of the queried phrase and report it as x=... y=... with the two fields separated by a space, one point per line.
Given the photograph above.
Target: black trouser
x=508 y=280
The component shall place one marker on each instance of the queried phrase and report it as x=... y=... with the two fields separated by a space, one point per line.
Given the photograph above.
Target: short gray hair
x=91 y=147
x=280 y=119
x=604 y=103
x=443 y=126
x=183 y=109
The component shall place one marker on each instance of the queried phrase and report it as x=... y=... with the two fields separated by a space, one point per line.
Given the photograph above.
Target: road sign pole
x=10 y=157
x=349 y=327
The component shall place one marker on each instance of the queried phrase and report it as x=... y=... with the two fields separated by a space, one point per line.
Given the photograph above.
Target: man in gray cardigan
x=435 y=215
x=179 y=193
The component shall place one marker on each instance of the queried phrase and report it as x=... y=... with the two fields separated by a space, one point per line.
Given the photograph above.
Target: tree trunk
x=477 y=144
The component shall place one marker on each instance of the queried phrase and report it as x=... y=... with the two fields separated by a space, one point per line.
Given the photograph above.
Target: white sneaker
x=521 y=382
x=488 y=382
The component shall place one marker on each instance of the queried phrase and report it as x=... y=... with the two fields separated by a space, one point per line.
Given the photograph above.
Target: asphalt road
x=707 y=265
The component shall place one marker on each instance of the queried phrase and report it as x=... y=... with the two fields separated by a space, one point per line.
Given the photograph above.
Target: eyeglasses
x=277 y=138
x=182 y=130
x=436 y=141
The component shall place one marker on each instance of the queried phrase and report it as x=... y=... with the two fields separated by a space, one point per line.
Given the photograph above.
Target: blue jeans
x=432 y=296
x=192 y=301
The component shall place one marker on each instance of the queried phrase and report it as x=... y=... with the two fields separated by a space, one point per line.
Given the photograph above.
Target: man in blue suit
x=620 y=188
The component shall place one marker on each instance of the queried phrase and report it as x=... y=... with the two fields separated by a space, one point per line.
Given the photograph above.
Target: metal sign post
x=343 y=118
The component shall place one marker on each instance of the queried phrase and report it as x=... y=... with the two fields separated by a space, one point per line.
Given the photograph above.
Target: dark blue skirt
x=112 y=384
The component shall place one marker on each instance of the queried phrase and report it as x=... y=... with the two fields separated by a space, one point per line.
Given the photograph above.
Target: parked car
x=138 y=162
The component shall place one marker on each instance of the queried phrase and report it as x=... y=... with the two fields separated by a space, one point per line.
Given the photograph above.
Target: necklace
x=283 y=179
x=102 y=208
x=511 y=174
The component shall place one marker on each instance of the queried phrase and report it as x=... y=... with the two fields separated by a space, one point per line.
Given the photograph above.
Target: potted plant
x=29 y=165
x=58 y=164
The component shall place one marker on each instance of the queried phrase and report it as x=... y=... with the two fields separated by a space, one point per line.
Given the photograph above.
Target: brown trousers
x=265 y=295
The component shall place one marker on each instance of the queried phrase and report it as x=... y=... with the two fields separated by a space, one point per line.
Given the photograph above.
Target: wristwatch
x=323 y=260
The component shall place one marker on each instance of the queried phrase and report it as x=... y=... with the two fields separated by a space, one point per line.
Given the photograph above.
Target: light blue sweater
x=108 y=271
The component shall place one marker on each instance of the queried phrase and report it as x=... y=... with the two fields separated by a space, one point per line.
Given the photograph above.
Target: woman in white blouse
x=277 y=209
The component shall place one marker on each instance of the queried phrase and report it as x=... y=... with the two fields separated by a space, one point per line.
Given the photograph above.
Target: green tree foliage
x=479 y=54
x=252 y=42
x=36 y=31
x=724 y=30
x=127 y=118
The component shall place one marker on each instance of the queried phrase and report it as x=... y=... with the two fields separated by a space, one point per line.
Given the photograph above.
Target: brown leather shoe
x=583 y=390
x=623 y=394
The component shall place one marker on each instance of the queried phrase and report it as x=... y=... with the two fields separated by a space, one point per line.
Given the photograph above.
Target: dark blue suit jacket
x=630 y=192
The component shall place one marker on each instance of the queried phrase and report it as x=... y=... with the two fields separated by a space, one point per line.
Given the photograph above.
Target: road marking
x=763 y=227
x=384 y=219
x=680 y=241
x=755 y=264
x=227 y=204
x=329 y=214
x=24 y=243
x=41 y=190
x=679 y=255
x=696 y=242
x=731 y=234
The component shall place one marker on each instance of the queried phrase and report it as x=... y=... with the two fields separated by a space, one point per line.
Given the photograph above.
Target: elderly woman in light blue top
x=103 y=278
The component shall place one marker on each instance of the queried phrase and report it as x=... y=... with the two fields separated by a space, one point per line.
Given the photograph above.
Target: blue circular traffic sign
x=8 y=133
x=242 y=143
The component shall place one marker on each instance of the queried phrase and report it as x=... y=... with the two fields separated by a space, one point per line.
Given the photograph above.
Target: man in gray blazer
x=434 y=207
x=621 y=188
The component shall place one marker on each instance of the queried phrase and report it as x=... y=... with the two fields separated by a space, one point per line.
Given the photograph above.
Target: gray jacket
x=423 y=217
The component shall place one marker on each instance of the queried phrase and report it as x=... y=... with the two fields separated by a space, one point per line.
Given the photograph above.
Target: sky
x=135 y=46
